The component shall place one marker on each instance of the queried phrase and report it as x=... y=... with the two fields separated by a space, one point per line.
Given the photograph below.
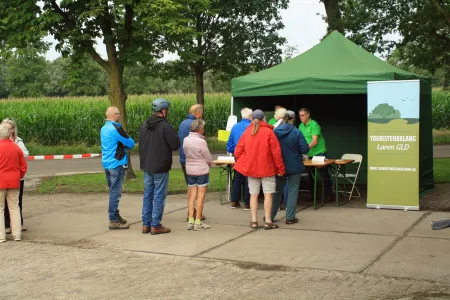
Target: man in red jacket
x=12 y=168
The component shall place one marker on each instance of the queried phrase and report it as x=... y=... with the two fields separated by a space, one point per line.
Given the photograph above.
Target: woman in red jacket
x=12 y=168
x=258 y=156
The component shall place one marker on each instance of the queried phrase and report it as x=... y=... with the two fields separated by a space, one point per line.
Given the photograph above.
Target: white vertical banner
x=393 y=112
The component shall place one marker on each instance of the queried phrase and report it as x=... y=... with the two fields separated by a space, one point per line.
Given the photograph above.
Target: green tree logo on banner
x=384 y=111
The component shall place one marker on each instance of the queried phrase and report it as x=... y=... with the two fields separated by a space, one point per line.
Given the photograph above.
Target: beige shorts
x=268 y=185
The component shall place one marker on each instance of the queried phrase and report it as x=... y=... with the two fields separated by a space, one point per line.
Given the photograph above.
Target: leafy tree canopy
x=231 y=37
x=131 y=30
x=424 y=27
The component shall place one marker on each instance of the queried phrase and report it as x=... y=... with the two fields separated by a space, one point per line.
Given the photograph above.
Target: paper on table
x=318 y=158
x=226 y=158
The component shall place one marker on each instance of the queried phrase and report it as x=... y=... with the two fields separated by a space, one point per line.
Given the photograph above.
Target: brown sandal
x=254 y=225
x=268 y=226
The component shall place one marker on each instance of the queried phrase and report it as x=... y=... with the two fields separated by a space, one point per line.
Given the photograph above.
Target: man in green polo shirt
x=314 y=137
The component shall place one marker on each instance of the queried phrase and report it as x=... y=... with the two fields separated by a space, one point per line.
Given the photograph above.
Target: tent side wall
x=426 y=182
x=343 y=119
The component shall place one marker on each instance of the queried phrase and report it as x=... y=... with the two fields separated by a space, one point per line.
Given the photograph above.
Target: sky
x=303 y=27
x=402 y=95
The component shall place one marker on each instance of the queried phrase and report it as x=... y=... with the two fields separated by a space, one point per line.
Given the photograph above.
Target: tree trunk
x=199 y=85
x=333 y=15
x=118 y=98
x=446 y=83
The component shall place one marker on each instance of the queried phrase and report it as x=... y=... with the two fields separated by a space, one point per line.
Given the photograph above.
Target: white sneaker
x=190 y=226
x=201 y=226
x=17 y=239
x=2 y=241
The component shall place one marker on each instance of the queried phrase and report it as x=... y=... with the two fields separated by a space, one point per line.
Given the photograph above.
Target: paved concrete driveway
x=333 y=253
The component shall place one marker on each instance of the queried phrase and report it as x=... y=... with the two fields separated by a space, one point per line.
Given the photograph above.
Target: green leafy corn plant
x=77 y=120
x=441 y=109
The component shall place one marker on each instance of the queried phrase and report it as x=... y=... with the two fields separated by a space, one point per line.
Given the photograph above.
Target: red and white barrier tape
x=65 y=156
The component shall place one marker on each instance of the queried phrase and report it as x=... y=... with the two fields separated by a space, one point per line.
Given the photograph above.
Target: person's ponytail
x=255 y=126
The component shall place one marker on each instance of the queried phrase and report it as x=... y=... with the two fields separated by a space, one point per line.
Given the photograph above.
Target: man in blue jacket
x=115 y=141
x=293 y=145
x=239 y=180
x=195 y=112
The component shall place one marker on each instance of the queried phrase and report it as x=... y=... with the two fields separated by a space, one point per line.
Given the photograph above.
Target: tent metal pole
x=229 y=167
x=232 y=100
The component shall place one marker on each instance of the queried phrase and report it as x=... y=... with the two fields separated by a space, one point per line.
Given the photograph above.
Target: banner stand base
x=399 y=207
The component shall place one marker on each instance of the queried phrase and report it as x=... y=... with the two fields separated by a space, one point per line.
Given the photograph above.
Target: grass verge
x=36 y=149
x=441 y=170
x=441 y=137
x=96 y=183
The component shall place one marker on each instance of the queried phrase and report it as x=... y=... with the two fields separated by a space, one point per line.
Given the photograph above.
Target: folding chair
x=352 y=177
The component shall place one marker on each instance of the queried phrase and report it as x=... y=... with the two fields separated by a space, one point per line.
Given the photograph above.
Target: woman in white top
x=279 y=115
x=19 y=142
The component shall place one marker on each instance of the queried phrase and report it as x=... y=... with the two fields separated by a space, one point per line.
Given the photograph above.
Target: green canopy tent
x=331 y=80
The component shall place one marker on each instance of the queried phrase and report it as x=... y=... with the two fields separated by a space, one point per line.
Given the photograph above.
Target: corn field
x=72 y=121
x=441 y=109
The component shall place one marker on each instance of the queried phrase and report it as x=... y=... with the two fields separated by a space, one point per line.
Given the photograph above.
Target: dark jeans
x=155 y=192
x=324 y=173
x=240 y=180
x=115 y=178
x=7 y=217
x=198 y=180
x=183 y=167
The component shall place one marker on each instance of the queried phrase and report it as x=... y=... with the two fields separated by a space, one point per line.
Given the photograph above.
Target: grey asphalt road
x=441 y=151
x=60 y=167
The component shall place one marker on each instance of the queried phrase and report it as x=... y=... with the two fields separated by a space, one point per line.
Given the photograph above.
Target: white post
x=231 y=106
x=230 y=154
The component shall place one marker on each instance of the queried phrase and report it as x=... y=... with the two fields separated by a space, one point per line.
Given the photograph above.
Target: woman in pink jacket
x=198 y=161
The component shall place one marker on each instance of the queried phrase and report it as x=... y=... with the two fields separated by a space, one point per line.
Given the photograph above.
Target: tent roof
x=334 y=66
